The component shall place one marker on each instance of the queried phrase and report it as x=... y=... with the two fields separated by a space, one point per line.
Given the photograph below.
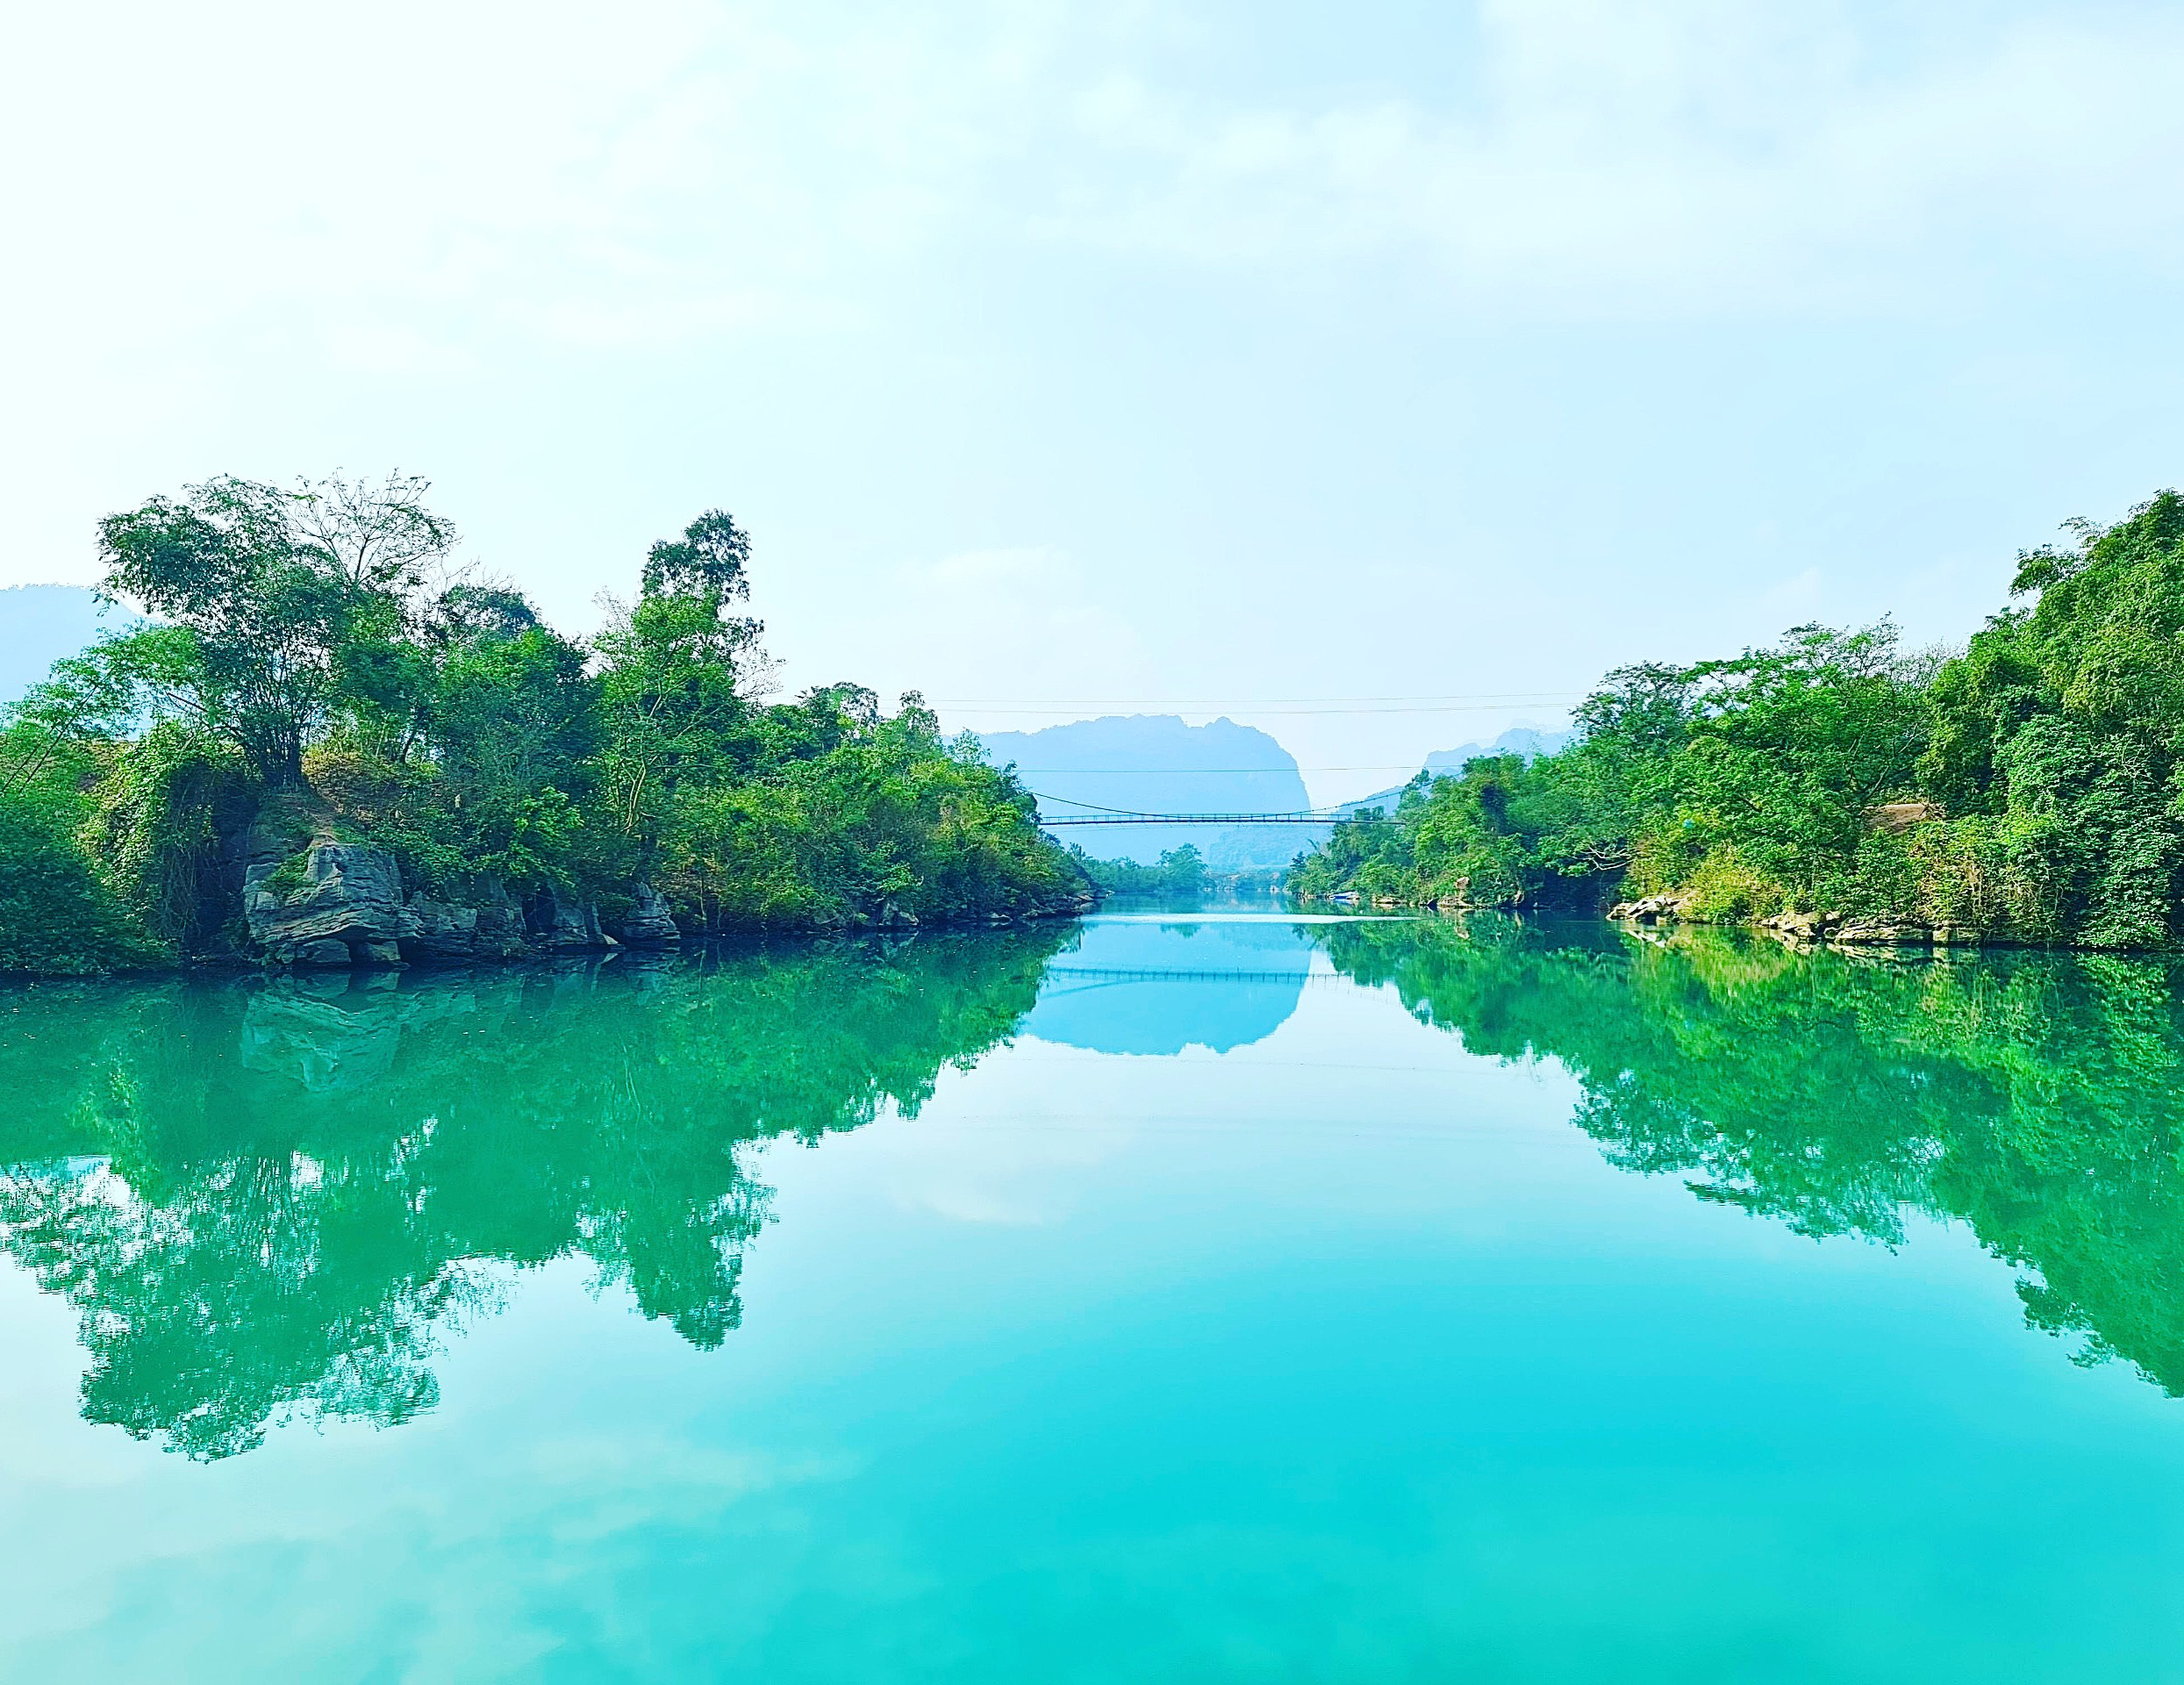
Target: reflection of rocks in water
x=1157 y=988
x=339 y=1030
x=296 y=1187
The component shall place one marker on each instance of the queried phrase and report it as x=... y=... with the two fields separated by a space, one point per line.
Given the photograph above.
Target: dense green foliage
x=56 y=914
x=2037 y=1097
x=313 y=650
x=2043 y=762
x=274 y=1198
x=1180 y=871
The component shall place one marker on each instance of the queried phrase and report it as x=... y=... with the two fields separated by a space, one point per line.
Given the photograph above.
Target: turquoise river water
x=1175 y=1297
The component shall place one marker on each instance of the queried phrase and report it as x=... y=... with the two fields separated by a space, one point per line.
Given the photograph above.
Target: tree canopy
x=318 y=649
x=2029 y=785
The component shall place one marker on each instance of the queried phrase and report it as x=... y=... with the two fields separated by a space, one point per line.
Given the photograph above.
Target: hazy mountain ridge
x=1155 y=762
x=42 y=624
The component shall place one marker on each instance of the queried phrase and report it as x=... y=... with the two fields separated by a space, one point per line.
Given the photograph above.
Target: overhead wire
x=1240 y=701
x=1274 y=711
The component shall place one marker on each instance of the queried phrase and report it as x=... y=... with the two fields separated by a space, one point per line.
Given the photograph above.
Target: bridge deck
x=1195 y=819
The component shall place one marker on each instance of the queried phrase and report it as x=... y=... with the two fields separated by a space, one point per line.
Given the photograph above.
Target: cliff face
x=342 y=904
x=312 y=900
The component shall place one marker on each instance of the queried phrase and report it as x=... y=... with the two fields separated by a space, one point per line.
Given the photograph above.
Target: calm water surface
x=1173 y=1298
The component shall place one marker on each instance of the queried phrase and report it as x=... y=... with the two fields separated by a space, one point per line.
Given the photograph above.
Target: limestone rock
x=1653 y=909
x=1891 y=817
x=480 y=920
x=564 y=927
x=1802 y=929
x=647 y=923
x=348 y=898
x=444 y=930
x=1882 y=934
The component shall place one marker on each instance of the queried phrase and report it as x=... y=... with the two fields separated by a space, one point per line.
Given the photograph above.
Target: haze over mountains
x=1155 y=763
x=40 y=625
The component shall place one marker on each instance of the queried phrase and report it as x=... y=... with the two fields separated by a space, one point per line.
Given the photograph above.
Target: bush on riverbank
x=2029 y=786
x=311 y=663
x=57 y=916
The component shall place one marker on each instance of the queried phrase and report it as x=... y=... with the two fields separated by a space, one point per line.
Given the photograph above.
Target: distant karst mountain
x=1528 y=741
x=41 y=624
x=1156 y=764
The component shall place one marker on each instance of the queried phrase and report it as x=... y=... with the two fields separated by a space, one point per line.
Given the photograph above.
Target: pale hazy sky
x=1114 y=352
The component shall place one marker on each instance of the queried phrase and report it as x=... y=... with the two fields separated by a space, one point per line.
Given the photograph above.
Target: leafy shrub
x=57 y=916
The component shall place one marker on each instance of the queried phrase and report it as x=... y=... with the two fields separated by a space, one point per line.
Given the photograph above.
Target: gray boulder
x=564 y=927
x=1653 y=909
x=444 y=929
x=346 y=907
x=1881 y=933
x=647 y=923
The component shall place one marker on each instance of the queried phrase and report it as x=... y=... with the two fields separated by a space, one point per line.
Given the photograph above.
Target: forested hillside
x=2025 y=788
x=324 y=707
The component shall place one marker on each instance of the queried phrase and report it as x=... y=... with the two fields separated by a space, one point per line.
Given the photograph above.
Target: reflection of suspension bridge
x=1173 y=974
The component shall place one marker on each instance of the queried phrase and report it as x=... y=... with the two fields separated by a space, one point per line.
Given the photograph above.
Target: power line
x=1200 y=771
x=1261 y=709
x=1235 y=701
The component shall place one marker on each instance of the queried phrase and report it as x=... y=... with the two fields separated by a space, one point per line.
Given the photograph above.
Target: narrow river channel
x=1178 y=1296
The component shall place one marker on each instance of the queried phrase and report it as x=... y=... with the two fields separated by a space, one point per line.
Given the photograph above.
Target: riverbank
x=1799 y=929
x=1817 y=928
x=326 y=903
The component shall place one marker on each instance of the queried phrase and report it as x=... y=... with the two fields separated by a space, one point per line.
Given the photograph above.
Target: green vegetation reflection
x=2036 y=1097
x=272 y=1199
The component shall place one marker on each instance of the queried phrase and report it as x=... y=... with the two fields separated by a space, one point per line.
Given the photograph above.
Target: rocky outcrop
x=1811 y=928
x=560 y=926
x=1653 y=909
x=333 y=903
x=1881 y=933
x=456 y=930
x=1892 y=818
x=646 y=923
x=1800 y=928
x=313 y=902
x=444 y=930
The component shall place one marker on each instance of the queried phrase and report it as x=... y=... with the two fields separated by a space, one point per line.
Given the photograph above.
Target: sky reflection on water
x=1172 y=1299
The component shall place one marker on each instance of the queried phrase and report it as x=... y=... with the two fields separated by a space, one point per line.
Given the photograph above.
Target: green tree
x=266 y=592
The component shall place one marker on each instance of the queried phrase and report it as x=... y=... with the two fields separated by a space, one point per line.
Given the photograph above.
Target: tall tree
x=259 y=615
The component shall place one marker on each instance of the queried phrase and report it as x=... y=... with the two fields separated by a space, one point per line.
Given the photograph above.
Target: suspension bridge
x=1129 y=816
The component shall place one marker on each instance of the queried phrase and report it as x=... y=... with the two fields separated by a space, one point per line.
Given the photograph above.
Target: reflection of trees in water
x=268 y=1199
x=2038 y=1097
